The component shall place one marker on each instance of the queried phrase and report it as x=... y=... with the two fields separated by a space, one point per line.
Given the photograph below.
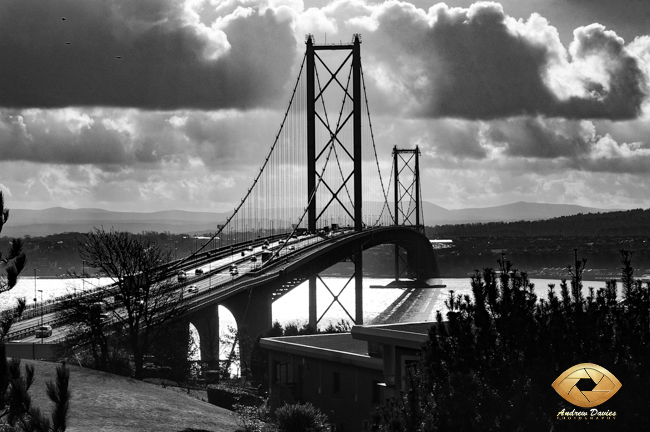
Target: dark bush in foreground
x=301 y=418
x=227 y=397
x=490 y=366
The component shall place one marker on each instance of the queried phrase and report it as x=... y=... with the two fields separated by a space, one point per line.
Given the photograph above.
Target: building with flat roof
x=346 y=375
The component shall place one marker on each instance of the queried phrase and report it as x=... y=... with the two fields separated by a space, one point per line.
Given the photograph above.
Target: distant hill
x=629 y=223
x=436 y=215
x=59 y=220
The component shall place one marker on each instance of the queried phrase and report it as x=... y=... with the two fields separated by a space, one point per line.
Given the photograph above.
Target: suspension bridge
x=318 y=198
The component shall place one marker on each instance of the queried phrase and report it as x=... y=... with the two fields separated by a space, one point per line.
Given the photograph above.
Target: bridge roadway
x=300 y=258
x=215 y=266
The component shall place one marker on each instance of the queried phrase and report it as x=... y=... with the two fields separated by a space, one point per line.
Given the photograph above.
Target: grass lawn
x=105 y=402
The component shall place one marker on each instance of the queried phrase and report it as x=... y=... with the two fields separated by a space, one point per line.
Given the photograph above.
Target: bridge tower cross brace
x=312 y=175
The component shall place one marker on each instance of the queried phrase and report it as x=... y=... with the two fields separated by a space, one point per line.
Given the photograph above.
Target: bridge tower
x=338 y=138
x=408 y=196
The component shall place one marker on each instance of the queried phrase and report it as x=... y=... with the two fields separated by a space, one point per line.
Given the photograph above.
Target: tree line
x=488 y=364
x=621 y=223
x=17 y=412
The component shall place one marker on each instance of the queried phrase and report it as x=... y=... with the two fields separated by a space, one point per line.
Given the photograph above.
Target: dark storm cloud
x=478 y=63
x=565 y=145
x=165 y=61
x=457 y=138
x=539 y=138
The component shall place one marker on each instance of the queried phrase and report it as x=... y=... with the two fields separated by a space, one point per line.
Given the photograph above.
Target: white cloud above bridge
x=155 y=105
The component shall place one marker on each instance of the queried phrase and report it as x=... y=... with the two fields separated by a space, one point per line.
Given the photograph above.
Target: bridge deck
x=210 y=277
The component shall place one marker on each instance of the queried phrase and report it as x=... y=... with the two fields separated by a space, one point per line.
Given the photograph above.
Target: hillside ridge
x=57 y=220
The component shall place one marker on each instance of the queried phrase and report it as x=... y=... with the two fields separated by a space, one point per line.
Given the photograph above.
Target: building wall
x=313 y=380
x=32 y=351
x=403 y=358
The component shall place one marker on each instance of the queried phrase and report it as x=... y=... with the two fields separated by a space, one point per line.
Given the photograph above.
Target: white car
x=43 y=331
x=192 y=289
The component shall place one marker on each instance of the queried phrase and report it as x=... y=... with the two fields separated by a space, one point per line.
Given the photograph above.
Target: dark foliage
x=227 y=396
x=490 y=366
x=301 y=418
x=11 y=264
x=142 y=304
x=59 y=393
x=623 y=223
x=170 y=352
x=86 y=329
x=16 y=409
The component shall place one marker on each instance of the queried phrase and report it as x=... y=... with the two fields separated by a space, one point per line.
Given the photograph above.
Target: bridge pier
x=313 y=311
x=358 y=287
x=252 y=310
x=206 y=322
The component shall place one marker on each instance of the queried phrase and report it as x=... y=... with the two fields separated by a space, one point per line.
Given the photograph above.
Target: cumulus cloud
x=116 y=139
x=479 y=63
x=540 y=138
x=74 y=186
x=504 y=108
x=168 y=57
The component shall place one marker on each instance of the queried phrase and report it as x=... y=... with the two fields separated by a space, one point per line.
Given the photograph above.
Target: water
x=31 y=288
x=292 y=307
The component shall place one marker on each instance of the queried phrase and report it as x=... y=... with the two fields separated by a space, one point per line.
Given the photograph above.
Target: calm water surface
x=292 y=307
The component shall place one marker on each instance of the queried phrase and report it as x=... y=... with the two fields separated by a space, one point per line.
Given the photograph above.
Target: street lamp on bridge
x=34 y=291
x=83 y=278
x=41 y=291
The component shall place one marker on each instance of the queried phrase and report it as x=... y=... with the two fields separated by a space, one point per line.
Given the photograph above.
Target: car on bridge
x=181 y=276
x=198 y=272
x=43 y=331
x=192 y=289
x=249 y=248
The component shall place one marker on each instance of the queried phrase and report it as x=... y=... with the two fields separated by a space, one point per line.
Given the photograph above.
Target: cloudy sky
x=156 y=105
